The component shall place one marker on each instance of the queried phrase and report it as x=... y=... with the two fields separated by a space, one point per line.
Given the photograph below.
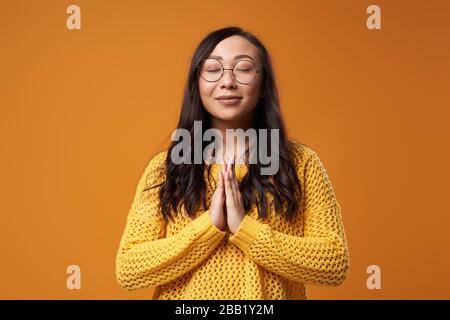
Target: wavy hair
x=184 y=185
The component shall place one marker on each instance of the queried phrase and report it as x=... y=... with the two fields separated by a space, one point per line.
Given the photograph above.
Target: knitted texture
x=265 y=259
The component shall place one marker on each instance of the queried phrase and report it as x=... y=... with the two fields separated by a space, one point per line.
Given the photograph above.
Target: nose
x=227 y=80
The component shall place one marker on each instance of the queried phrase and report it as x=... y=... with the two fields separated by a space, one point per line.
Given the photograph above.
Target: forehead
x=234 y=46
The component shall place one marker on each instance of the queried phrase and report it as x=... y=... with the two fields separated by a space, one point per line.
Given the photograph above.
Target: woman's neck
x=236 y=150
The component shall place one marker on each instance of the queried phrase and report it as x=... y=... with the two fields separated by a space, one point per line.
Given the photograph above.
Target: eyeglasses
x=244 y=71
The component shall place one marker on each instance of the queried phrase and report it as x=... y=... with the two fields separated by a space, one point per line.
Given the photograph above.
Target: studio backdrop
x=92 y=90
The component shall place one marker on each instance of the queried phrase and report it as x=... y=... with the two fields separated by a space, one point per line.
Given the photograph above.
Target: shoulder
x=314 y=178
x=302 y=154
x=155 y=167
x=158 y=160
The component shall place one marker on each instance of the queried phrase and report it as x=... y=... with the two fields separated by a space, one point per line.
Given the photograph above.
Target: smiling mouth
x=228 y=101
x=229 y=98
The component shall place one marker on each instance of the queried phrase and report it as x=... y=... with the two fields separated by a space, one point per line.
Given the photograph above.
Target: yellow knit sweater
x=265 y=259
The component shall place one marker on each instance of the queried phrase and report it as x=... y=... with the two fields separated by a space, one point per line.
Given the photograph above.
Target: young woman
x=225 y=230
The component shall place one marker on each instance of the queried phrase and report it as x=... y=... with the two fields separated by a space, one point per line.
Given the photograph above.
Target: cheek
x=253 y=93
x=206 y=95
x=206 y=90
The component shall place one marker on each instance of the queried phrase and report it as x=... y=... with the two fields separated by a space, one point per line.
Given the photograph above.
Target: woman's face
x=229 y=51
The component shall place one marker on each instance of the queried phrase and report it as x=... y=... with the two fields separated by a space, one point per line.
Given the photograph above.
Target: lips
x=228 y=97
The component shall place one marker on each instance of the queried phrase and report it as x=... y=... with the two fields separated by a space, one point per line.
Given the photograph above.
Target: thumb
x=220 y=184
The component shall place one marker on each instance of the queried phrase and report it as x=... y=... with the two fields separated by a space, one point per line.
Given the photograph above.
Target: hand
x=234 y=203
x=217 y=210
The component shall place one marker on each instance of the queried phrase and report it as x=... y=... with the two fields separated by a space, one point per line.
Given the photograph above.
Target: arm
x=147 y=258
x=321 y=255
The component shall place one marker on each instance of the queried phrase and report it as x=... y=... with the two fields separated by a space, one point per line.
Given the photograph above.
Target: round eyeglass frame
x=223 y=70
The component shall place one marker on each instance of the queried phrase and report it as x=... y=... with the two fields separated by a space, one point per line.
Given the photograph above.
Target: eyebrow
x=240 y=56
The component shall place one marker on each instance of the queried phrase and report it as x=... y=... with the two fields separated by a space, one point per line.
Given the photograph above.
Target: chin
x=229 y=115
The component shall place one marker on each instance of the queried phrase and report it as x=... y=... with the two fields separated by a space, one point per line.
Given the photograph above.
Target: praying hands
x=227 y=206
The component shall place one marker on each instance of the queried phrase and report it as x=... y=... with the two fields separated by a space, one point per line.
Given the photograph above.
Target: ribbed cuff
x=246 y=233
x=208 y=231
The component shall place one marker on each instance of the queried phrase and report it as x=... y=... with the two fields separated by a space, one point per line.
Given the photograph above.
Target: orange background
x=82 y=112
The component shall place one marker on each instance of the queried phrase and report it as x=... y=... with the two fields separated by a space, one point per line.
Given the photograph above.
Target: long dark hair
x=184 y=184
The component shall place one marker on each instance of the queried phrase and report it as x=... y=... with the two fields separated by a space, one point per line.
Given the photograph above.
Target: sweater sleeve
x=145 y=256
x=318 y=257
